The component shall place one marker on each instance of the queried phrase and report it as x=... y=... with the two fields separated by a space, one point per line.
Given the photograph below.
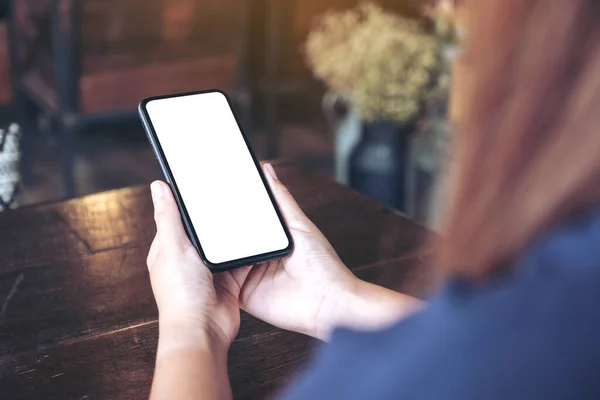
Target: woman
x=515 y=317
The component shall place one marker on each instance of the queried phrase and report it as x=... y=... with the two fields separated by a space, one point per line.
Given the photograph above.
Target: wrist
x=175 y=336
x=365 y=306
x=335 y=308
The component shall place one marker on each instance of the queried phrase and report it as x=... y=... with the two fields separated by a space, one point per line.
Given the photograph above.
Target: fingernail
x=158 y=192
x=271 y=171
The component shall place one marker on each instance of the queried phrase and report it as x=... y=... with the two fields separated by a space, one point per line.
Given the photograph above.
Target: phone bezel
x=164 y=165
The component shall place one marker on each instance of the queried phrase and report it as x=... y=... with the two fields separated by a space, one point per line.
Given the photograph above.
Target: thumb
x=166 y=215
x=288 y=205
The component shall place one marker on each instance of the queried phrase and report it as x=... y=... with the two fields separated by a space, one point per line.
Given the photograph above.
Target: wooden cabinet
x=99 y=56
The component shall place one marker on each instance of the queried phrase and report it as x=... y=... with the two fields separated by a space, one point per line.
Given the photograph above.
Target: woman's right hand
x=312 y=291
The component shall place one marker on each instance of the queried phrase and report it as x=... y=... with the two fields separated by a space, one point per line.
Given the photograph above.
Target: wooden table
x=77 y=316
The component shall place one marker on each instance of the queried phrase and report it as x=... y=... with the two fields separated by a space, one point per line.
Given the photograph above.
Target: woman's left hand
x=193 y=304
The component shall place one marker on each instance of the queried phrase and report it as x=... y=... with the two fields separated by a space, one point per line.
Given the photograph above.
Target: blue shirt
x=532 y=334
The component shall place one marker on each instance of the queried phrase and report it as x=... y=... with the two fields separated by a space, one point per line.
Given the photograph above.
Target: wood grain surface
x=77 y=315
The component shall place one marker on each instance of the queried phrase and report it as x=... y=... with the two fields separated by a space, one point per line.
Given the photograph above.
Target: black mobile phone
x=226 y=205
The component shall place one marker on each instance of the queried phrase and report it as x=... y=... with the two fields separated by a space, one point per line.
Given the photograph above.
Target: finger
x=166 y=214
x=288 y=205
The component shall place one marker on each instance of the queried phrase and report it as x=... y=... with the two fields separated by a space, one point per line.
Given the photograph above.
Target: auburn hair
x=528 y=142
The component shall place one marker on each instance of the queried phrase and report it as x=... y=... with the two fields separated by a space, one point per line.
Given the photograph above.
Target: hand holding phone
x=227 y=208
x=306 y=292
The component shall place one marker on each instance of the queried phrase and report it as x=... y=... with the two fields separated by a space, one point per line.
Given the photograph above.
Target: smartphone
x=226 y=205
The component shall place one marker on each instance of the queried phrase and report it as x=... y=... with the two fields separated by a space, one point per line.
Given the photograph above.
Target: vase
x=346 y=125
x=379 y=163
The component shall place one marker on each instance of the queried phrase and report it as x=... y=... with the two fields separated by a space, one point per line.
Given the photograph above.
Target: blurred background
x=361 y=91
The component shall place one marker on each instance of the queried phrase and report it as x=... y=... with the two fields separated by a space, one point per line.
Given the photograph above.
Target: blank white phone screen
x=224 y=195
